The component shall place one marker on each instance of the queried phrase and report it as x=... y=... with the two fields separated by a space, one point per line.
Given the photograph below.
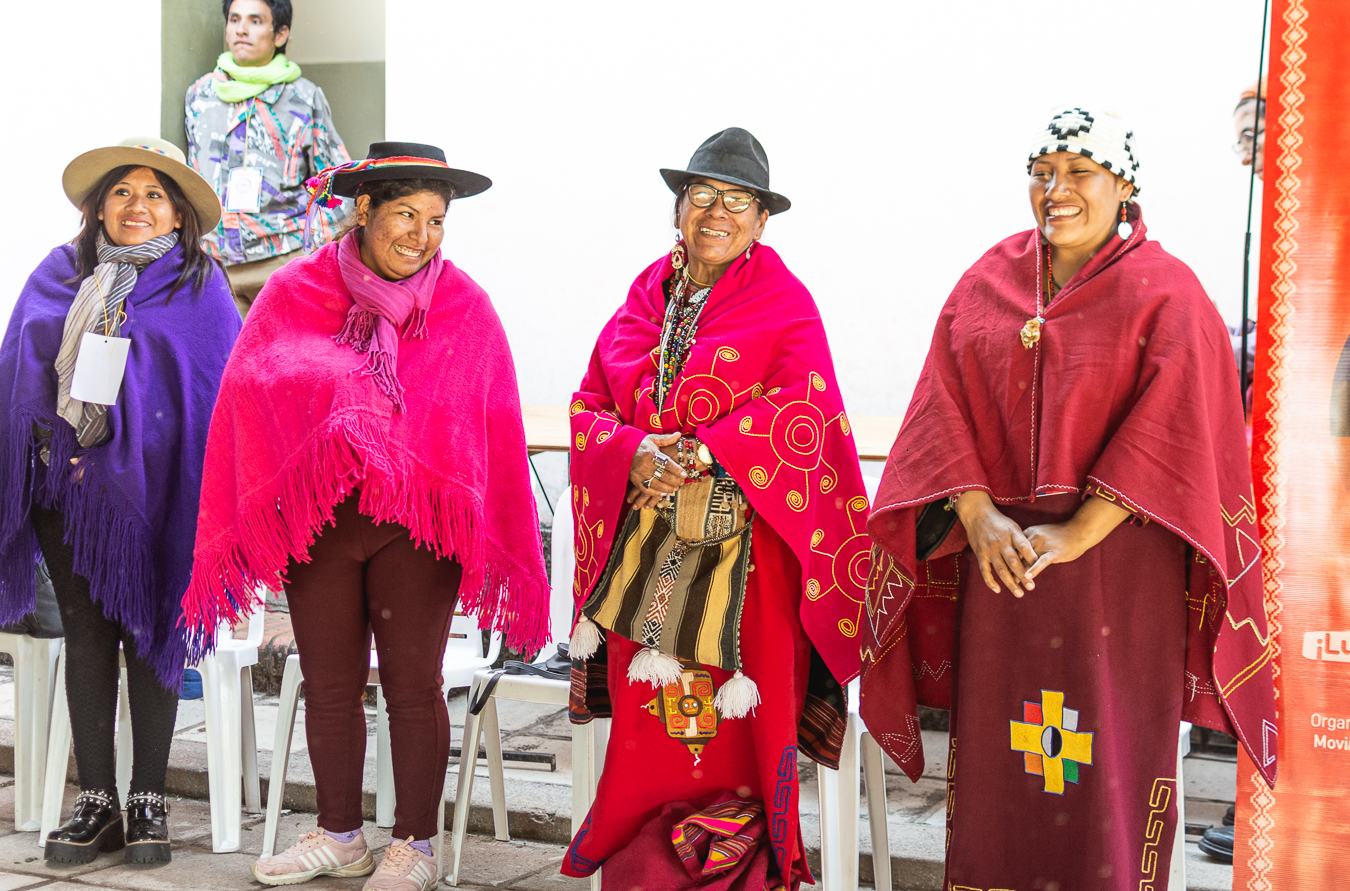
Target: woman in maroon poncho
x=1066 y=537
x=721 y=554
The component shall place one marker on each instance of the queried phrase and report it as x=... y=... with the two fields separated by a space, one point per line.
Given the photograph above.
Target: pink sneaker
x=404 y=868
x=315 y=854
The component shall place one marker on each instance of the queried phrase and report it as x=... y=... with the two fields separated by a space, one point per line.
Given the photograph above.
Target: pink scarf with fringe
x=382 y=307
x=301 y=421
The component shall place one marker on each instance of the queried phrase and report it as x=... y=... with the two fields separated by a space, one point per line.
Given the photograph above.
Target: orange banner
x=1298 y=837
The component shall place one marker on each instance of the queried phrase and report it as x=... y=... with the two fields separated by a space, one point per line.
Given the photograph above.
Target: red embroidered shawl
x=758 y=387
x=1130 y=394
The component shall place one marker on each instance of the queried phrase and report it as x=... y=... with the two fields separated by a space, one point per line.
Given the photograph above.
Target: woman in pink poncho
x=330 y=466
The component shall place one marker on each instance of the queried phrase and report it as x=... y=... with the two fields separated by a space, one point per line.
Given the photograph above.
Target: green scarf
x=245 y=83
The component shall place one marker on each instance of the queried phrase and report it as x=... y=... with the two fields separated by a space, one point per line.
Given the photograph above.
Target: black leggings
x=92 y=676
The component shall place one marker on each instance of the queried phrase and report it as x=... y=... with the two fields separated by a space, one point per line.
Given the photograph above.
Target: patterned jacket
x=290 y=135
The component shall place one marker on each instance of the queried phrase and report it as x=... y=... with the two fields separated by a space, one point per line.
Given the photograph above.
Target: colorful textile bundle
x=130 y=504
x=299 y=426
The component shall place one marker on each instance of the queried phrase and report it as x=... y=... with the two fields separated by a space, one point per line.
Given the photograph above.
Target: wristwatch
x=704 y=454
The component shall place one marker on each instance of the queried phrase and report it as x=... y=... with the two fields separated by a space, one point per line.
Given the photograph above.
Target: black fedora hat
x=406 y=160
x=732 y=156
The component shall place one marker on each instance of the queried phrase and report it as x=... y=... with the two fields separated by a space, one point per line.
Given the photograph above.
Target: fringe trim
x=282 y=521
x=112 y=543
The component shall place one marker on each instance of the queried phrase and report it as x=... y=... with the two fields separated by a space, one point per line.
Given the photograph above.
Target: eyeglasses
x=734 y=200
x=1247 y=141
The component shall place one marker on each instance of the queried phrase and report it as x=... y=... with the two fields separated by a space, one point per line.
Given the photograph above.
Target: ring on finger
x=647 y=483
x=660 y=471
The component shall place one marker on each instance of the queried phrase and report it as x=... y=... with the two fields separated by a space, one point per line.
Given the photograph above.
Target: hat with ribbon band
x=391 y=160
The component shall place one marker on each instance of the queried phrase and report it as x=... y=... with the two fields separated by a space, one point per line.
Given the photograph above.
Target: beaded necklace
x=677 y=332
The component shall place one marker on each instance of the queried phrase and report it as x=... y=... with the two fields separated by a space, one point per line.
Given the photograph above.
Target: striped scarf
x=98 y=307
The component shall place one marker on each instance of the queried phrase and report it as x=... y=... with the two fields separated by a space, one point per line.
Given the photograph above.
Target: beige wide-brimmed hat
x=83 y=174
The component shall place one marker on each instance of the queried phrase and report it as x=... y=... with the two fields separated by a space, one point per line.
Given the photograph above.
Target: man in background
x=256 y=130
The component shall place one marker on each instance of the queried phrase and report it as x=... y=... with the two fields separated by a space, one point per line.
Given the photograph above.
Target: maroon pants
x=364 y=577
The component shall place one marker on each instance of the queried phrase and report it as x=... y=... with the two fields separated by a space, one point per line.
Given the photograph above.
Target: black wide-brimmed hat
x=732 y=156
x=394 y=160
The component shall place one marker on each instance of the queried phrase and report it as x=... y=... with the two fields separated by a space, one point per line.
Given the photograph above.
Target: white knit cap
x=1101 y=136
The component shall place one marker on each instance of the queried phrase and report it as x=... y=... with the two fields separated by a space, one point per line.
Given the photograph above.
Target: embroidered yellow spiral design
x=728 y=354
x=581 y=441
x=756 y=391
x=795 y=500
x=602 y=436
x=827 y=483
x=817 y=381
x=746 y=424
x=812 y=589
x=844 y=425
x=759 y=477
x=848 y=628
x=655 y=420
x=859 y=503
x=817 y=537
x=578 y=407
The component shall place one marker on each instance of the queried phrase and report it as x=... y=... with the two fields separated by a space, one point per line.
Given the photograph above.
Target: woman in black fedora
x=720 y=571
x=350 y=455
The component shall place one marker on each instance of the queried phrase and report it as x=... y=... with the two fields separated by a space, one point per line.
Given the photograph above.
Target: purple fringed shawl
x=131 y=505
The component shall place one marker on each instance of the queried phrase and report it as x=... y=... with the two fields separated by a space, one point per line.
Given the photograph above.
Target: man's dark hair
x=281 y=17
x=197 y=263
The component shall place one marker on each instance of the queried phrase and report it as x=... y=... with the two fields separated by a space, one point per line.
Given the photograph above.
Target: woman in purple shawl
x=108 y=374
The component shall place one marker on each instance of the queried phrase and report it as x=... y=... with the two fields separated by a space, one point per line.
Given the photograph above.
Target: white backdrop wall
x=103 y=88
x=899 y=131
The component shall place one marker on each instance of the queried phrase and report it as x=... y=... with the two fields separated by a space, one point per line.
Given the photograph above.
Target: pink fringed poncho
x=299 y=424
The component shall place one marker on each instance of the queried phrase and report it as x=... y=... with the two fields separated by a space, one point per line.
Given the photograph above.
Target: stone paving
x=539 y=802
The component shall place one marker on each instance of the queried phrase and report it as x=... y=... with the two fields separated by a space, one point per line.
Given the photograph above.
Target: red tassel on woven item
x=380 y=365
x=417 y=324
x=358 y=330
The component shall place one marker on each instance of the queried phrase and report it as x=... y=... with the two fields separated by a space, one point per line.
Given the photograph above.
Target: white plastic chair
x=464 y=656
x=231 y=737
x=34 y=690
x=588 y=740
x=839 y=804
x=231 y=747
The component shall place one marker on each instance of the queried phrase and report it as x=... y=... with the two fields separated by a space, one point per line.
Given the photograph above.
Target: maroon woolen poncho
x=1131 y=395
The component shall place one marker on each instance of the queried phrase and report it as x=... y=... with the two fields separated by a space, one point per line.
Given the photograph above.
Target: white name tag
x=243 y=190
x=99 y=367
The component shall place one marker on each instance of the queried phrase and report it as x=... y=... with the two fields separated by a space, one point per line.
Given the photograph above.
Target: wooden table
x=547 y=429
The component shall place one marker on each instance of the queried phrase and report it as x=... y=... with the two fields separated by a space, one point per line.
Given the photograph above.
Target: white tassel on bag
x=654 y=667
x=737 y=698
x=585 y=641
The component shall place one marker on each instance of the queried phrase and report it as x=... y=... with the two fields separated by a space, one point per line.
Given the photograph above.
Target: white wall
x=93 y=82
x=899 y=131
x=337 y=31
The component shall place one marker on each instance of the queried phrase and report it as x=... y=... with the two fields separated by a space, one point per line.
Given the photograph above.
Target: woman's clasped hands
x=1007 y=553
x=655 y=472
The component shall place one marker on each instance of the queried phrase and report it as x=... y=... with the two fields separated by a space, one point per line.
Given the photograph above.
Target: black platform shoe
x=95 y=827
x=148 y=829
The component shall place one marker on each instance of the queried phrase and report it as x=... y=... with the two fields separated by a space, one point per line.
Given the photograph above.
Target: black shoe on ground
x=1230 y=815
x=95 y=827
x=148 y=829
x=1218 y=843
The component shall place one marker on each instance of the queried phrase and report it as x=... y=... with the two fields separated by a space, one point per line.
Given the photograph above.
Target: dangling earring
x=753 y=242
x=1124 y=229
x=677 y=257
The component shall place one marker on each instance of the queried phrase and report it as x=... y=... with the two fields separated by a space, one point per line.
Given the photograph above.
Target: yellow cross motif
x=1049 y=741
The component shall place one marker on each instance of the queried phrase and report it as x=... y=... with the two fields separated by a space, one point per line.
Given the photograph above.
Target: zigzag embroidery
x=912 y=741
x=1250 y=623
x=924 y=669
x=1196 y=687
